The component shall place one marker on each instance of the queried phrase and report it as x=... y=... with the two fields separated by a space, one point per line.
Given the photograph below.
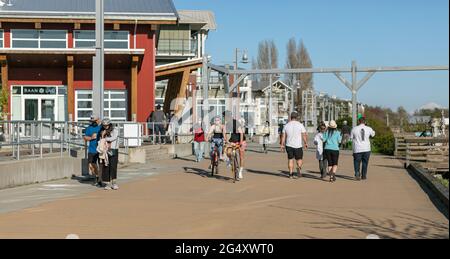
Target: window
x=1 y=39
x=113 y=39
x=115 y=105
x=39 y=39
x=175 y=40
x=216 y=107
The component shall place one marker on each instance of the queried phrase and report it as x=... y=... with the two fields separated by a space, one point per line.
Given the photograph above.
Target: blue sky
x=374 y=33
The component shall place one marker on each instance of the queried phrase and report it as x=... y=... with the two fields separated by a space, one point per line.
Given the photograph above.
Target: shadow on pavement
x=400 y=225
x=206 y=174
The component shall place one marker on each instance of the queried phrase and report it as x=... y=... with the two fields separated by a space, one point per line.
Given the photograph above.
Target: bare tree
x=292 y=60
x=267 y=57
x=305 y=79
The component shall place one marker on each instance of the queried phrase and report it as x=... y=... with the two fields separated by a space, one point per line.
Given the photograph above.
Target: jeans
x=323 y=166
x=161 y=132
x=357 y=159
x=199 y=149
x=219 y=143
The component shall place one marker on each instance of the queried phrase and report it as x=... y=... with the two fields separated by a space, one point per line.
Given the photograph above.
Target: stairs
x=157 y=152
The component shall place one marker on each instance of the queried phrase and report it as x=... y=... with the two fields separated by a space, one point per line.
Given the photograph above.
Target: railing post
x=18 y=141
x=408 y=155
x=61 y=136
x=40 y=137
x=33 y=132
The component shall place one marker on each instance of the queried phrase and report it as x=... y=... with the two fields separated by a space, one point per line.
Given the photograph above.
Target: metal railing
x=36 y=138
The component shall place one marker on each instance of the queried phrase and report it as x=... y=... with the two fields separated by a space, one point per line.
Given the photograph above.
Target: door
x=47 y=110
x=31 y=109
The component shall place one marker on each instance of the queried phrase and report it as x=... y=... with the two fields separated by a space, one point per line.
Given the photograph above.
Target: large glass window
x=115 y=105
x=1 y=39
x=216 y=107
x=175 y=40
x=43 y=39
x=113 y=39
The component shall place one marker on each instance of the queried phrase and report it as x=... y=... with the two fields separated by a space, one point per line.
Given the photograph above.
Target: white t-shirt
x=318 y=141
x=361 y=138
x=294 y=131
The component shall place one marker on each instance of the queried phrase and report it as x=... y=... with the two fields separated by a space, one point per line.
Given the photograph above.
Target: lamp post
x=244 y=60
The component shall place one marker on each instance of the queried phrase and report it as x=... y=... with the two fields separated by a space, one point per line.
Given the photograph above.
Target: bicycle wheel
x=236 y=167
x=213 y=163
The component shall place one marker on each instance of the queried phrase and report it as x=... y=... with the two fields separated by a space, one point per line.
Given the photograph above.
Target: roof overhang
x=72 y=51
x=165 y=71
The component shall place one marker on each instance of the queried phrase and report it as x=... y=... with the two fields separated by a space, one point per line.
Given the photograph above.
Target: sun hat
x=333 y=125
x=106 y=122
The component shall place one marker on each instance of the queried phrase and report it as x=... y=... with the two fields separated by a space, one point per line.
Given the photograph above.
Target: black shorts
x=332 y=156
x=92 y=158
x=296 y=153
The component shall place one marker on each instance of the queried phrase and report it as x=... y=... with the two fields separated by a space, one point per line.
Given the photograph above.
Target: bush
x=384 y=141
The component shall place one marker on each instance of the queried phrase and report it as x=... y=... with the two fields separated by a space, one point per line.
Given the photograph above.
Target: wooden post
x=4 y=83
x=134 y=87
x=70 y=88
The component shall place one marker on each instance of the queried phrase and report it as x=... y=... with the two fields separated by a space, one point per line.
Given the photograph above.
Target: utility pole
x=205 y=85
x=99 y=61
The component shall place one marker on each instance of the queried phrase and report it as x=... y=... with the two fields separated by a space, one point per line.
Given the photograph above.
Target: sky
x=373 y=33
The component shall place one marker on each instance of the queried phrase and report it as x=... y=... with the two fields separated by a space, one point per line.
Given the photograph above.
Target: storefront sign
x=39 y=90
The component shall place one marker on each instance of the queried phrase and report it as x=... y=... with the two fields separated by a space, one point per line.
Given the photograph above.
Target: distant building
x=419 y=119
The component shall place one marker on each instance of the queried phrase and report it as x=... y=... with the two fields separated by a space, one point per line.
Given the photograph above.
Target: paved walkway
x=177 y=199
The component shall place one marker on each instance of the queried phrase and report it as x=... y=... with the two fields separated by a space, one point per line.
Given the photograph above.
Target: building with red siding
x=47 y=48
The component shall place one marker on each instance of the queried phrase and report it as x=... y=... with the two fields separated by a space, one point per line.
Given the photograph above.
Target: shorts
x=296 y=153
x=332 y=156
x=93 y=158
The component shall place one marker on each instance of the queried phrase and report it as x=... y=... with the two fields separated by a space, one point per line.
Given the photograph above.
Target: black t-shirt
x=346 y=130
x=232 y=127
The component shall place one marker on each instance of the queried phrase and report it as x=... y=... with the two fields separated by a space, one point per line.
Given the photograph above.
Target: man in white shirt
x=361 y=148
x=293 y=140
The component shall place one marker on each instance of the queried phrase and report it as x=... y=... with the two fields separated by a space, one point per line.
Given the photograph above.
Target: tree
x=306 y=79
x=267 y=57
x=4 y=97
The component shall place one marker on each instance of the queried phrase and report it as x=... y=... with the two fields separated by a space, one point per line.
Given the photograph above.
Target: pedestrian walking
x=293 y=140
x=361 y=148
x=92 y=135
x=199 y=141
x=332 y=138
x=159 y=121
x=266 y=136
x=345 y=132
x=318 y=141
x=110 y=135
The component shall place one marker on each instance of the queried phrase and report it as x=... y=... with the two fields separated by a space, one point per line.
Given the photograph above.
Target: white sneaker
x=108 y=187
x=241 y=170
x=115 y=187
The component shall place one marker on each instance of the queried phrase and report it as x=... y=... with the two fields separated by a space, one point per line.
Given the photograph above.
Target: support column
x=70 y=89
x=134 y=87
x=354 y=95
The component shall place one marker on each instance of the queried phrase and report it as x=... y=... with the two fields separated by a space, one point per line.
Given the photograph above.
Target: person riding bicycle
x=237 y=138
x=216 y=136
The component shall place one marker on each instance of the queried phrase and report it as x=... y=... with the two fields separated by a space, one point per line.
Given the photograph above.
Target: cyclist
x=237 y=137
x=217 y=135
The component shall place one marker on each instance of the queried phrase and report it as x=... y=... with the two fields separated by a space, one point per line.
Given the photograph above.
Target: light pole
x=244 y=60
x=98 y=60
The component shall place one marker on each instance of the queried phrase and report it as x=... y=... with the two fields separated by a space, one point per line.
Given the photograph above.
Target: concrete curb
x=439 y=189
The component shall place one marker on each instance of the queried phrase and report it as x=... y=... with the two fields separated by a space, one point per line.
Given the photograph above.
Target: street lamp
x=244 y=60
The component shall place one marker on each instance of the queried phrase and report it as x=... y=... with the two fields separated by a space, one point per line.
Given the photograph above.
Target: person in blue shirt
x=92 y=136
x=332 y=139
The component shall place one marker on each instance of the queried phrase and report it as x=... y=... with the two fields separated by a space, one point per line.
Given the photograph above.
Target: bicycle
x=234 y=160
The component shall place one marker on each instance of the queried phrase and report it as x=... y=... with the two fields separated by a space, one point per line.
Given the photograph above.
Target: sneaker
x=241 y=170
x=358 y=178
x=115 y=187
x=299 y=172
x=108 y=187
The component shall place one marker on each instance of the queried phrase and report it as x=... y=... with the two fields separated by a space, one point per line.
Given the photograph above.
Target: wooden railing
x=430 y=153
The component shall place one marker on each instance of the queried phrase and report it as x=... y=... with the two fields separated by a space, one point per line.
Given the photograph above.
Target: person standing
x=159 y=121
x=110 y=134
x=199 y=141
x=318 y=141
x=92 y=135
x=266 y=136
x=361 y=148
x=332 y=138
x=293 y=140
x=345 y=131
